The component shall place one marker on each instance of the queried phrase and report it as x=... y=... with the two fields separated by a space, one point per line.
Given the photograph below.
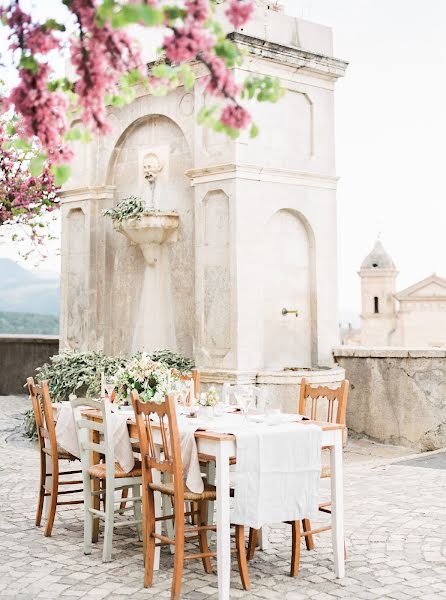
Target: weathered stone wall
x=19 y=357
x=397 y=396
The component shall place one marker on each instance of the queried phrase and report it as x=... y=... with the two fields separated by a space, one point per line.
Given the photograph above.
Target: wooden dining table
x=222 y=447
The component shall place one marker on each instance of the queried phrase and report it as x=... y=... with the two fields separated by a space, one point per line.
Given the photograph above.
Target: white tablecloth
x=67 y=438
x=277 y=471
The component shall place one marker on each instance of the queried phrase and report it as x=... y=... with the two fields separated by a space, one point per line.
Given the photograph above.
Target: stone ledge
x=364 y=352
x=320 y=64
x=7 y=338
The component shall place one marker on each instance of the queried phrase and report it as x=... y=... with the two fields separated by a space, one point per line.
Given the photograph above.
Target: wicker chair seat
x=209 y=492
x=61 y=453
x=99 y=471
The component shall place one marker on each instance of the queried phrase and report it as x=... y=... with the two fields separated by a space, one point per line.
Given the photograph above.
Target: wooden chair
x=334 y=411
x=50 y=451
x=109 y=472
x=164 y=416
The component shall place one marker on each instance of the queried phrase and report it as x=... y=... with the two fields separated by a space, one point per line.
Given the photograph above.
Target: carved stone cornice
x=101 y=192
x=258 y=173
x=320 y=64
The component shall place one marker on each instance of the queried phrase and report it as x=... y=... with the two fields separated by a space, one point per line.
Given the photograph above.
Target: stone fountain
x=257 y=241
x=154 y=323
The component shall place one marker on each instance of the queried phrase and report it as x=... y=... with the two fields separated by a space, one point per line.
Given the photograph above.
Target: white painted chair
x=89 y=433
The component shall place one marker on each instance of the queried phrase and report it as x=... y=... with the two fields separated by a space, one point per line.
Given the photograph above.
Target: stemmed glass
x=244 y=397
x=108 y=386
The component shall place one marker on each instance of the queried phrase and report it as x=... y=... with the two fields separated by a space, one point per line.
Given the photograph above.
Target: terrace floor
x=395 y=531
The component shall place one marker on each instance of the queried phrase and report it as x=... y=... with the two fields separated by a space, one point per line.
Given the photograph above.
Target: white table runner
x=277 y=471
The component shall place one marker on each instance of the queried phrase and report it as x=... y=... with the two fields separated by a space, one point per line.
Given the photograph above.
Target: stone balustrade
x=19 y=357
x=398 y=395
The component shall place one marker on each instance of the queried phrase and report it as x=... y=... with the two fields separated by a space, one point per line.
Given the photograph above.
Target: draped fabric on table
x=67 y=439
x=277 y=471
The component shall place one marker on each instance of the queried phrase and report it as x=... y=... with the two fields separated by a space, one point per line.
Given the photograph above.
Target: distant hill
x=18 y=322
x=25 y=291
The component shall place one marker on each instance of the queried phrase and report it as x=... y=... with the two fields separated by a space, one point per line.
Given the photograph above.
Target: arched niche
x=161 y=135
x=289 y=283
x=124 y=119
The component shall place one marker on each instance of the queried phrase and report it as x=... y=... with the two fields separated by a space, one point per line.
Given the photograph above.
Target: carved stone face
x=152 y=167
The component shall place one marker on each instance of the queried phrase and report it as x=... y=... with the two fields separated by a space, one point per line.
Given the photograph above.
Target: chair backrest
x=335 y=405
x=193 y=375
x=86 y=429
x=43 y=412
x=158 y=427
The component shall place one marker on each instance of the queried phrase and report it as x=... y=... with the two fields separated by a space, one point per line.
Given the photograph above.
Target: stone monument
x=244 y=276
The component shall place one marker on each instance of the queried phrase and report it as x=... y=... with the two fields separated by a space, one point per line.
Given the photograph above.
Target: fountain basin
x=150 y=232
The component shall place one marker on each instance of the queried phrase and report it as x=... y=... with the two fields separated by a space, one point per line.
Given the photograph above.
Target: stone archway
x=288 y=282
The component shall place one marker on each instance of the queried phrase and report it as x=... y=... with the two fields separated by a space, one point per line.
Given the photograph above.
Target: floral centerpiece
x=209 y=398
x=207 y=402
x=152 y=380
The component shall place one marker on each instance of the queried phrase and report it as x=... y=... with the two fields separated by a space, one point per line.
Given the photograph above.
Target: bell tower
x=378 y=275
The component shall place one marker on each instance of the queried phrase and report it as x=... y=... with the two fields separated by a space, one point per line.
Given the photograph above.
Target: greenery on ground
x=79 y=373
x=17 y=322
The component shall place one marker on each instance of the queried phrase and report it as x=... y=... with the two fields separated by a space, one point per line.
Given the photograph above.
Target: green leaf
x=29 y=63
x=254 y=131
x=163 y=71
x=73 y=134
x=53 y=24
x=137 y=13
x=36 y=164
x=21 y=144
x=61 y=174
x=187 y=76
x=10 y=129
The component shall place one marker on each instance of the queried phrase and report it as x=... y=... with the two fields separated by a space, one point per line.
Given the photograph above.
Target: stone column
x=83 y=281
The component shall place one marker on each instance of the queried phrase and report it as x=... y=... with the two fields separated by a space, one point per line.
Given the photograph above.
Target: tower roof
x=378 y=258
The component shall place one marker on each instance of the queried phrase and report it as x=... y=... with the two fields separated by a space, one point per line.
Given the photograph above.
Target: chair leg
x=148 y=518
x=295 y=548
x=88 y=516
x=108 y=522
x=53 y=500
x=179 y=550
x=136 y=491
x=309 y=540
x=210 y=477
x=41 y=489
x=241 y=556
x=252 y=543
x=124 y=495
x=203 y=537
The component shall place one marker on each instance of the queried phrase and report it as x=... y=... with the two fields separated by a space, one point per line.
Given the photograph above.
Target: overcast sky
x=390 y=134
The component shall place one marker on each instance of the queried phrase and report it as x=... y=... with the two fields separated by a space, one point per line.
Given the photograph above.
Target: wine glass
x=244 y=397
x=108 y=384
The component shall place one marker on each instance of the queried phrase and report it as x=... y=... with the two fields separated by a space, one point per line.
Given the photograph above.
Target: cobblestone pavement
x=395 y=528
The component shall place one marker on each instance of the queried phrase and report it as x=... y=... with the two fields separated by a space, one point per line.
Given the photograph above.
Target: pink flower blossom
x=186 y=43
x=43 y=112
x=235 y=117
x=239 y=12
x=221 y=80
x=40 y=41
x=198 y=10
x=101 y=55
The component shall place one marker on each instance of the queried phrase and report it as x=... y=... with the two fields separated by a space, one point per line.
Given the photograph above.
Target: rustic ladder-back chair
x=88 y=434
x=333 y=412
x=164 y=457
x=50 y=451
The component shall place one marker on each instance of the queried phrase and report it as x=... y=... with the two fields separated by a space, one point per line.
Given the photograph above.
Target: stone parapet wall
x=20 y=355
x=397 y=395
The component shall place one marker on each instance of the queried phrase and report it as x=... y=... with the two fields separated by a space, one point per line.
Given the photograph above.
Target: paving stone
x=395 y=519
